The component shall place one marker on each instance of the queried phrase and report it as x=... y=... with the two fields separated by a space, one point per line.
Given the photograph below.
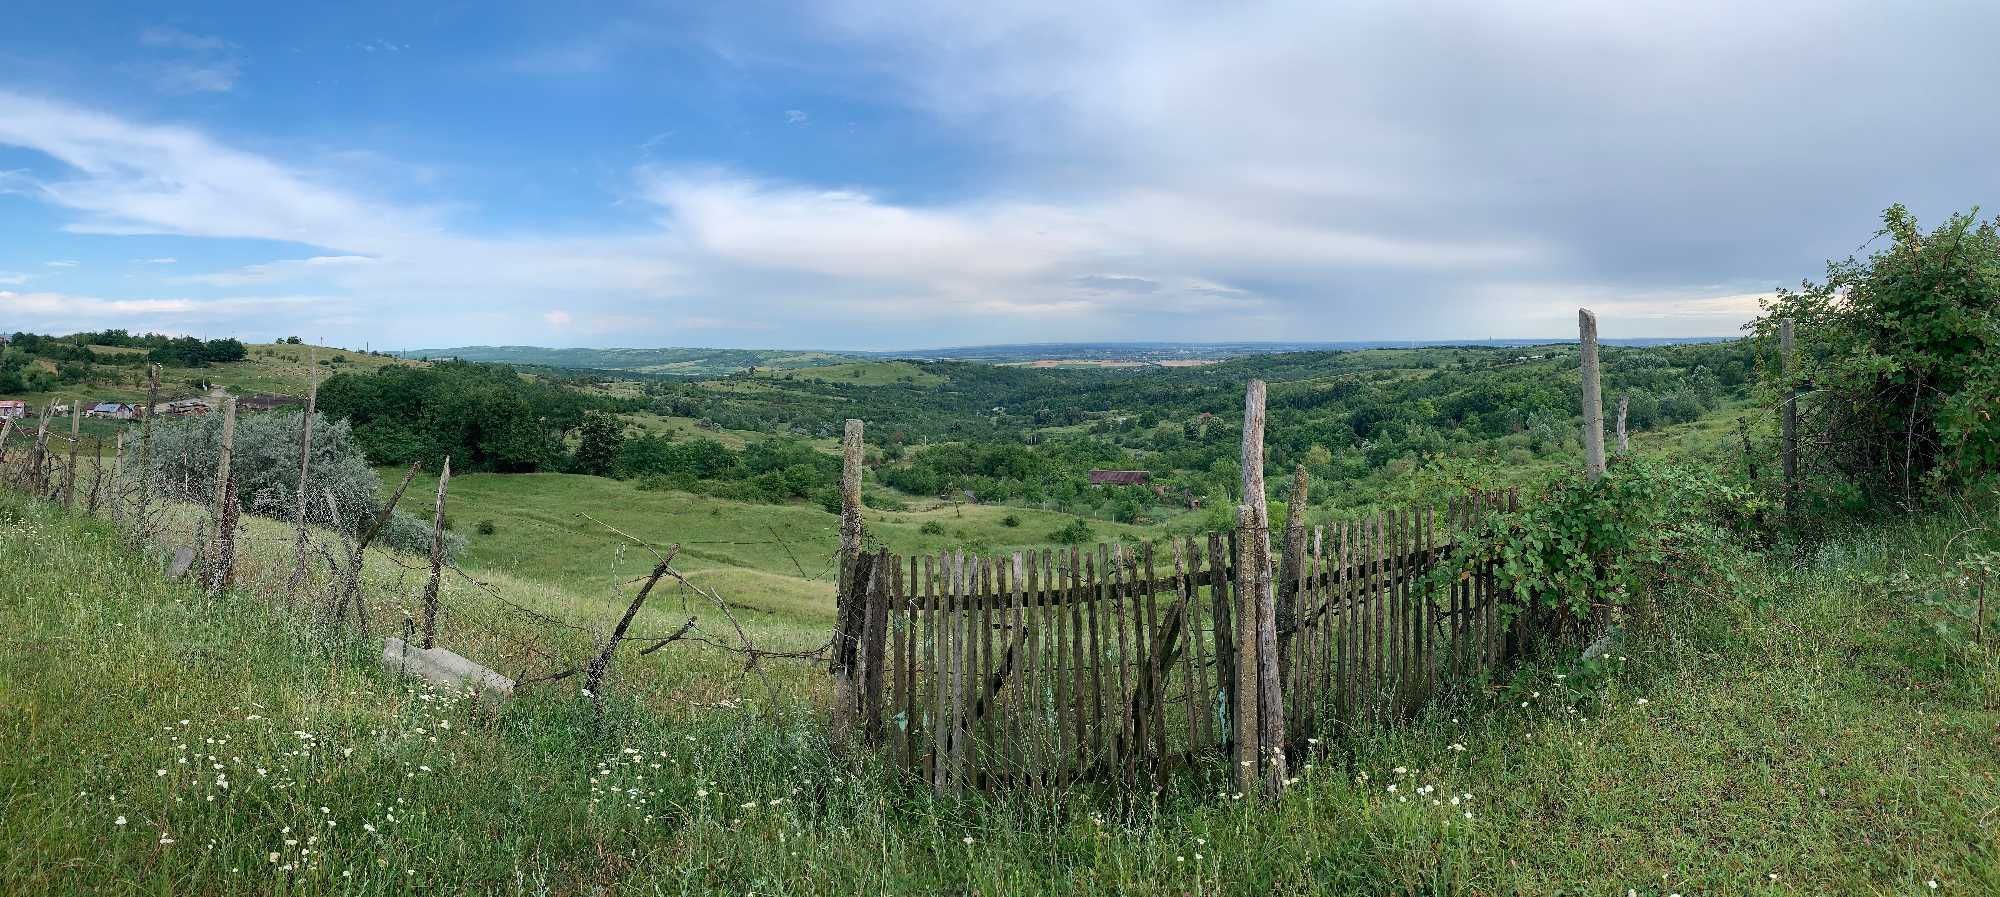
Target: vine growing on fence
x=1580 y=546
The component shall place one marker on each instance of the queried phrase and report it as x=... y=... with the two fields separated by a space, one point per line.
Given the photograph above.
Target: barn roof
x=1119 y=477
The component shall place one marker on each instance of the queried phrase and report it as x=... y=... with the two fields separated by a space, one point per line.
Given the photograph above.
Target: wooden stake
x=75 y=440
x=305 y=469
x=437 y=557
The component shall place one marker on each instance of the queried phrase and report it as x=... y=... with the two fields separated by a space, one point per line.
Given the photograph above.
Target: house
x=116 y=410
x=1119 y=477
x=265 y=402
x=13 y=408
x=183 y=406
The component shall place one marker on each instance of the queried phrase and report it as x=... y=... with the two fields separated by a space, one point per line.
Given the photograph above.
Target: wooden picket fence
x=1117 y=664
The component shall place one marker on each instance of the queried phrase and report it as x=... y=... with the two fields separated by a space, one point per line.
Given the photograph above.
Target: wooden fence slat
x=1223 y=630
x=1095 y=649
x=1350 y=597
x=1134 y=601
x=968 y=670
x=1066 y=750
x=1076 y=645
x=908 y=590
x=1322 y=677
x=963 y=657
x=1190 y=655
x=1105 y=601
x=988 y=726
x=1037 y=718
x=1201 y=633
x=1160 y=659
x=932 y=677
x=898 y=633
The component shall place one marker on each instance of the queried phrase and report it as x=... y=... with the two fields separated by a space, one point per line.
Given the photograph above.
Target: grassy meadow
x=1825 y=727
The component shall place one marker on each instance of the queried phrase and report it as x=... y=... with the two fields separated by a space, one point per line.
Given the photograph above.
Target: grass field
x=1756 y=741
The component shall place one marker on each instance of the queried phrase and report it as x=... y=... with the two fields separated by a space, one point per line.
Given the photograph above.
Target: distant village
x=16 y=409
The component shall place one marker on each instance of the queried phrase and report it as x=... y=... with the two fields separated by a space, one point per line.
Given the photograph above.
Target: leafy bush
x=1901 y=354
x=486 y=527
x=1582 y=545
x=931 y=528
x=1076 y=532
x=1010 y=521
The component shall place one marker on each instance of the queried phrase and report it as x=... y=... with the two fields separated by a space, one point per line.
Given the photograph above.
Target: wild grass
x=1819 y=730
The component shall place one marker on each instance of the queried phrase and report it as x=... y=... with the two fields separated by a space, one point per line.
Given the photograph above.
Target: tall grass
x=1815 y=732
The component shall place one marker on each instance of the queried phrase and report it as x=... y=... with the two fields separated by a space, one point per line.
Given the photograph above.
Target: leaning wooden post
x=1789 y=423
x=1289 y=571
x=226 y=456
x=146 y=448
x=224 y=574
x=1257 y=603
x=75 y=440
x=593 y=680
x=305 y=469
x=1593 y=397
x=437 y=558
x=1624 y=443
x=850 y=612
x=38 y=457
x=6 y=430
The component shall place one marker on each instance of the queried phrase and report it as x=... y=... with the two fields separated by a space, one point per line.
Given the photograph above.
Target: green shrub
x=931 y=528
x=1076 y=532
x=1010 y=521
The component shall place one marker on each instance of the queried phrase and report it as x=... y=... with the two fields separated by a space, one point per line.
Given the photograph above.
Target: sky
x=899 y=175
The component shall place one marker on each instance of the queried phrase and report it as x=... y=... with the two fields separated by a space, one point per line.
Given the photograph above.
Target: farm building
x=13 y=408
x=116 y=410
x=183 y=406
x=1119 y=477
x=265 y=402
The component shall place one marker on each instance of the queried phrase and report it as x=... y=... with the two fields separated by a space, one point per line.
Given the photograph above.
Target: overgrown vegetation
x=1898 y=367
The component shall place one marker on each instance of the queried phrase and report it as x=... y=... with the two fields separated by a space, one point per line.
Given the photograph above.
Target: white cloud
x=173 y=38
x=13 y=278
x=218 y=76
x=162 y=261
x=557 y=318
x=64 y=312
x=796 y=117
x=61 y=263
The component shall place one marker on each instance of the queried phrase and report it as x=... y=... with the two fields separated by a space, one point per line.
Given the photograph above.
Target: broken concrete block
x=183 y=559
x=440 y=667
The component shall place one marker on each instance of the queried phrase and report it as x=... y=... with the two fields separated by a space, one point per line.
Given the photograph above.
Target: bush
x=486 y=528
x=1901 y=354
x=931 y=528
x=1010 y=521
x=1076 y=532
x=266 y=465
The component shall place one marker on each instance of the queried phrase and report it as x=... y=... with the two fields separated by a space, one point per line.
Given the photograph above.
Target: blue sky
x=902 y=174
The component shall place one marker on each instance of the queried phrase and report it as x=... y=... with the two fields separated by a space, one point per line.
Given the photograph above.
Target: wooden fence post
x=146 y=447
x=305 y=467
x=1593 y=396
x=1789 y=423
x=38 y=457
x=1257 y=602
x=850 y=612
x=75 y=440
x=437 y=557
x=225 y=546
x=226 y=455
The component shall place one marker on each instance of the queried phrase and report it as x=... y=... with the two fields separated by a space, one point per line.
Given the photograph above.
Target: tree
x=600 y=439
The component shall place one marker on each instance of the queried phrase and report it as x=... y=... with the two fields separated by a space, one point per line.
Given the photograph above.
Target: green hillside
x=675 y=362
